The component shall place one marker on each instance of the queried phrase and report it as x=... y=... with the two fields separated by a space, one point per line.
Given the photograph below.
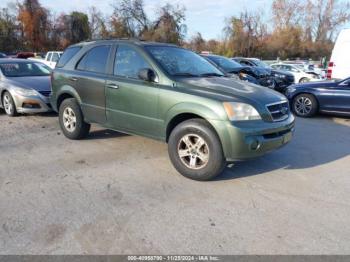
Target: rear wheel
x=9 y=104
x=304 y=80
x=195 y=150
x=305 y=105
x=72 y=121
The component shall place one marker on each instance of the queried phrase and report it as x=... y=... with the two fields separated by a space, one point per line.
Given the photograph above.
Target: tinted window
x=16 y=69
x=129 y=62
x=182 y=62
x=55 y=57
x=95 y=60
x=225 y=63
x=67 y=55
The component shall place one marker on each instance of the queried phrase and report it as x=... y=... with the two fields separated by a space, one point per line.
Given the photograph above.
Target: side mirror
x=147 y=74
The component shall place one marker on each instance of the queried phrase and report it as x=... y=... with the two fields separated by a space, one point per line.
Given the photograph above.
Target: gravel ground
x=119 y=194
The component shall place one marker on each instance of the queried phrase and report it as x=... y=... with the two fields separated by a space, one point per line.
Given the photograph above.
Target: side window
x=49 y=57
x=68 y=54
x=55 y=57
x=128 y=62
x=95 y=60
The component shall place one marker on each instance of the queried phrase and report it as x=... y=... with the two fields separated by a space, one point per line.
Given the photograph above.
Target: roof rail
x=115 y=38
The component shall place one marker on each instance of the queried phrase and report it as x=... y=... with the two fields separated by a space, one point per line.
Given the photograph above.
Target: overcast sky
x=204 y=16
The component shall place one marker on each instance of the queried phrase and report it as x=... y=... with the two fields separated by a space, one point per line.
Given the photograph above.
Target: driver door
x=341 y=97
x=131 y=103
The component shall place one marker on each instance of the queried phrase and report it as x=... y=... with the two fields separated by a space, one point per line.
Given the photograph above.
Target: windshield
x=227 y=64
x=20 y=69
x=261 y=64
x=182 y=62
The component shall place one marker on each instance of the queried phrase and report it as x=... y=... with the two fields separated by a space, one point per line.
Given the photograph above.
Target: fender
x=64 y=90
x=214 y=118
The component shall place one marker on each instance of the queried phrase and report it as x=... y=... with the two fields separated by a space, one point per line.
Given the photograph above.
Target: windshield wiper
x=211 y=74
x=186 y=74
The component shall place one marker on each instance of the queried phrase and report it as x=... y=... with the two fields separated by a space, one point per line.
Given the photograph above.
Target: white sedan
x=300 y=75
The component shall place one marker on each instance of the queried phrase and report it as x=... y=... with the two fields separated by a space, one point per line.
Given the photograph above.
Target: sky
x=204 y=16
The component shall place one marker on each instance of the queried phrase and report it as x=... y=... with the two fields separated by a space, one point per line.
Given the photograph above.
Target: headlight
x=291 y=89
x=24 y=91
x=280 y=76
x=241 y=111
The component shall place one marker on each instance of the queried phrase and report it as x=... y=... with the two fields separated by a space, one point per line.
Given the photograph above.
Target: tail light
x=330 y=70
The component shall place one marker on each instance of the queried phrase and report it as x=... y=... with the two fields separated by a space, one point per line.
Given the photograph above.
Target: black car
x=2 y=55
x=281 y=79
x=331 y=97
x=250 y=74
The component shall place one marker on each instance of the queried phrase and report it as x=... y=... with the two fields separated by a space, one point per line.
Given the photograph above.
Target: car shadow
x=104 y=134
x=316 y=141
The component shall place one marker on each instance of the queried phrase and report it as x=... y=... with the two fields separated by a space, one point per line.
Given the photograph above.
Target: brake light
x=330 y=70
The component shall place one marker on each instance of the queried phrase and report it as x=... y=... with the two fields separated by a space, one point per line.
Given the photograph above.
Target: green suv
x=171 y=94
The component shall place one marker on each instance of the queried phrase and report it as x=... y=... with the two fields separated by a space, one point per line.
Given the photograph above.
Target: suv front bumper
x=249 y=139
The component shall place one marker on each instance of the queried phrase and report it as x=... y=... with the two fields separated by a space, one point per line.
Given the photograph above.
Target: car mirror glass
x=147 y=74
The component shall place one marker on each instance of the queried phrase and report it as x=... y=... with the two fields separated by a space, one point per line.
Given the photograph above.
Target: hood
x=38 y=83
x=318 y=84
x=229 y=89
x=274 y=71
x=261 y=71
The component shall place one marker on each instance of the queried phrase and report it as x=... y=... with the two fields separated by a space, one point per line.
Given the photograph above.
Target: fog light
x=255 y=145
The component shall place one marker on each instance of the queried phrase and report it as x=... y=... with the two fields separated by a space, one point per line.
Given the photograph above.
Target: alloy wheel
x=69 y=119
x=303 y=106
x=8 y=106
x=193 y=151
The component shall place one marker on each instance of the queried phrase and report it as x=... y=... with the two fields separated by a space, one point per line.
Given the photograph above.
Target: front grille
x=45 y=93
x=279 y=111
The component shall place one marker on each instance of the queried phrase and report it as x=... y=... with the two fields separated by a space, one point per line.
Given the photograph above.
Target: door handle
x=113 y=86
x=74 y=79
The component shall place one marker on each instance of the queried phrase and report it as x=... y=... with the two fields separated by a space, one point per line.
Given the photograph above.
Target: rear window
x=67 y=55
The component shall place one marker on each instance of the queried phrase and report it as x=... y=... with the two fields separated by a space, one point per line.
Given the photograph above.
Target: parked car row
x=194 y=103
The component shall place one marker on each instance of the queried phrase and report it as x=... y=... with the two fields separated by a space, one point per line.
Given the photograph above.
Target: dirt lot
x=118 y=194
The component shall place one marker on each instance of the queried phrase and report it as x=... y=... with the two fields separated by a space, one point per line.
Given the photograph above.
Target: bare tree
x=132 y=16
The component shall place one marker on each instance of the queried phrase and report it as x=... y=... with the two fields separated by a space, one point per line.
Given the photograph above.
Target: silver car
x=25 y=86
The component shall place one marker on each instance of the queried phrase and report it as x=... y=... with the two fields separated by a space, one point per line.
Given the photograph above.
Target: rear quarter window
x=67 y=55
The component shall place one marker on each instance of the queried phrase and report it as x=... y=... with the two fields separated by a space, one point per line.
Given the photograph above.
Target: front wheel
x=9 y=104
x=305 y=105
x=195 y=150
x=72 y=121
x=304 y=80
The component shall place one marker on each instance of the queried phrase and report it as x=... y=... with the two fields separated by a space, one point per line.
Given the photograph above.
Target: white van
x=339 y=65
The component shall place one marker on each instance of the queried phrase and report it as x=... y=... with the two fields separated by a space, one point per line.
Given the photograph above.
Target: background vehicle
x=24 y=55
x=171 y=94
x=24 y=86
x=298 y=70
x=339 y=65
x=50 y=59
x=281 y=79
x=327 y=97
x=2 y=55
x=232 y=68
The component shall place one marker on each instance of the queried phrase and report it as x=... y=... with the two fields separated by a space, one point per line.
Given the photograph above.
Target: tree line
x=293 y=29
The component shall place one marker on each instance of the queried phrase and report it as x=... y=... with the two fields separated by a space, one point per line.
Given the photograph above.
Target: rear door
x=90 y=81
x=132 y=104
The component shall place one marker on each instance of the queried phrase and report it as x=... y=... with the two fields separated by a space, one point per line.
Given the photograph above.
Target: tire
x=72 y=121
x=305 y=105
x=304 y=80
x=198 y=163
x=9 y=104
